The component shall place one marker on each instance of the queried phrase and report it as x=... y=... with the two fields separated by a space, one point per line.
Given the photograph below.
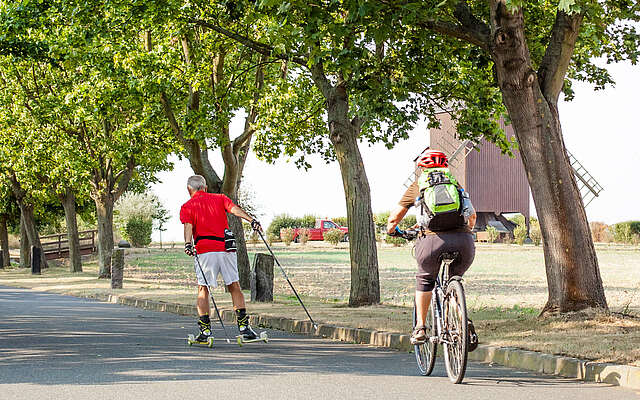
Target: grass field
x=506 y=288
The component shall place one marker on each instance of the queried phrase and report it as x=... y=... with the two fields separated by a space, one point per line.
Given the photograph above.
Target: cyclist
x=431 y=244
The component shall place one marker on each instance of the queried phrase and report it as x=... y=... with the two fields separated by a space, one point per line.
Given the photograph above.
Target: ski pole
x=212 y=299
x=315 y=326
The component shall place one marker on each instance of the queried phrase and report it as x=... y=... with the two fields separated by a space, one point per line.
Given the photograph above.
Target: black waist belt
x=219 y=239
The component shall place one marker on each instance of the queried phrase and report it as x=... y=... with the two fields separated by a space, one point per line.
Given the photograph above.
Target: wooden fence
x=57 y=246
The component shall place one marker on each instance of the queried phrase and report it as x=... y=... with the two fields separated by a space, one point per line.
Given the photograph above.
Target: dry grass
x=506 y=288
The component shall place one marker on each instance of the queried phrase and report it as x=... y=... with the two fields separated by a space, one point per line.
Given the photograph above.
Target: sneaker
x=243 y=325
x=205 y=329
x=419 y=336
x=473 y=337
x=248 y=333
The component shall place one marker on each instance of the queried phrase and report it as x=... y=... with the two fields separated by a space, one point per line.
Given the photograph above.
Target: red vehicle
x=322 y=225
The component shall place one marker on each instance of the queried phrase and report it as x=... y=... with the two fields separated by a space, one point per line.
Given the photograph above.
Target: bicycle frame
x=437 y=299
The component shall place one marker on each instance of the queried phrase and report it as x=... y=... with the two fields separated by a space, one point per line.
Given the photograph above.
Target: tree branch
x=557 y=57
x=123 y=177
x=168 y=112
x=457 y=31
x=245 y=137
x=256 y=46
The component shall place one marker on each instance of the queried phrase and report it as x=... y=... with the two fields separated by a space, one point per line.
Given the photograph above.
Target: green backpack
x=440 y=200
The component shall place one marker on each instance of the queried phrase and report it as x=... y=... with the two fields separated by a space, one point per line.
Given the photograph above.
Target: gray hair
x=197 y=182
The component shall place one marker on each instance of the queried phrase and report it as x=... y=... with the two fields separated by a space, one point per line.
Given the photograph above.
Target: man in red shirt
x=204 y=218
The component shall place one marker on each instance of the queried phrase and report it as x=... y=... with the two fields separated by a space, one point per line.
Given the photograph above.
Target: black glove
x=189 y=249
x=255 y=225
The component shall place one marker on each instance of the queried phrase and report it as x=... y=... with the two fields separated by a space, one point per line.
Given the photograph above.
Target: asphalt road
x=60 y=347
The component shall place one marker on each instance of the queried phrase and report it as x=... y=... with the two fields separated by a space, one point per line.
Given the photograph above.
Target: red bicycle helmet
x=433 y=159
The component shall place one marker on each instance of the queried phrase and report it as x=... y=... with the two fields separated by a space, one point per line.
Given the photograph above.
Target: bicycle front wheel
x=456 y=331
x=426 y=352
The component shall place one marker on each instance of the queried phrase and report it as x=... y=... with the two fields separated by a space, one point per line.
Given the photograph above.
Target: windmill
x=496 y=183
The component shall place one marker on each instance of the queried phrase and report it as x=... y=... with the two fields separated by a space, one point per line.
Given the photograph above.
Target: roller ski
x=204 y=337
x=247 y=334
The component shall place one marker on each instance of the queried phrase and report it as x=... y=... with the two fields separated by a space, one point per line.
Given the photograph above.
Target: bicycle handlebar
x=409 y=234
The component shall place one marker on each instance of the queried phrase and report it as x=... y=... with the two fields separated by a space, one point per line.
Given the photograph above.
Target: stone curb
x=621 y=375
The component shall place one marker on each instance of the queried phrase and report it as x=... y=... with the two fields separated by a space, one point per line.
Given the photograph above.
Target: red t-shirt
x=207 y=213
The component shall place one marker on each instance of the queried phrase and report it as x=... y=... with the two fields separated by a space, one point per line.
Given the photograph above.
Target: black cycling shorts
x=431 y=246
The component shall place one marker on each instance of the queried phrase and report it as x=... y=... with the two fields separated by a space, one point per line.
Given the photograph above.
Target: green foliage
x=493 y=234
x=279 y=222
x=340 y=221
x=624 y=232
x=134 y=214
x=394 y=240
x=520 y=234
x=137 y=231
x=408 y=222
x=380 y=221
x=307 y=221
x=286 y=235
x=333 y=236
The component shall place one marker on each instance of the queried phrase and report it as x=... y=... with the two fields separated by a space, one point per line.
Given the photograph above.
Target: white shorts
x=214 y=263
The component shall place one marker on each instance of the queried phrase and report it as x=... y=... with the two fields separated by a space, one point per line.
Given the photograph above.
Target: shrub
x=271 y=238
x=303 y=235
x=279 y=222
x=380 y=220
x=286 y=221
x=137 y=231
x=133 y=217
x=333 y=236
x=340 y=221
x=307 y=221
x=286 y=235
x=598 y=231
x=535 y=233
x=407 y=222
x=623 y=231
x=493 y=234
x=394 y=240
x=520 y=234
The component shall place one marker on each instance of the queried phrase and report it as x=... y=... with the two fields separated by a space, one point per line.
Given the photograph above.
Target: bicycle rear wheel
x=456 y=331
x=426 y=352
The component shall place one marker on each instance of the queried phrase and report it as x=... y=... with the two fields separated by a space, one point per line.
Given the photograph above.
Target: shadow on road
x=52 y=339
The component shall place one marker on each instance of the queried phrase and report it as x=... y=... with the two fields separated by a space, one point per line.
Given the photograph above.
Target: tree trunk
x=573 y=275
x=230 y=188
x=69 y=204
x=4 y=241
x=25 y=246
x=32 y=231
x=244 y=268
x=365 y=284
x=104 y=211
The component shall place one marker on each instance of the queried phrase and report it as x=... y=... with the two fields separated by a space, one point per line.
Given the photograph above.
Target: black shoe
x=205 y=329
x=244 y=327
x=248 y=333
x=473 y=337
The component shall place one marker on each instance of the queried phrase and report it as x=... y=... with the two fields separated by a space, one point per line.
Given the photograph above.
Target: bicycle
x=448 y=325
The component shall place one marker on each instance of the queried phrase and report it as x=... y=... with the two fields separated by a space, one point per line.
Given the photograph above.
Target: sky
x=601 y=129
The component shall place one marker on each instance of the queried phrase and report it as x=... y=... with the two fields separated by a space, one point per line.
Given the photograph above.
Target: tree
x=93 y=103
x=344 y=86
x=206 y=80
x=535 y=49
x=5 y=201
